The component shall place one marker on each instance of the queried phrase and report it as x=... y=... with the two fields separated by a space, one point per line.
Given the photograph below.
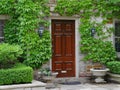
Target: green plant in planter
x=9 y=54
x=114 y=67
x=45 y=72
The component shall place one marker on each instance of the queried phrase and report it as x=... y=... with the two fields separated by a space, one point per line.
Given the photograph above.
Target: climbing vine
x=93 y=14
x=26 y=16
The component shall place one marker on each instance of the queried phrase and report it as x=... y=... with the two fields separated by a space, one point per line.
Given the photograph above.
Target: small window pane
x=117 y=44
x=117 y=29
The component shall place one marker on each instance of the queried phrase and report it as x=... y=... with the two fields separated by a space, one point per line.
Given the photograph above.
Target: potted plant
x=47 y=74
x=114 y=74
x=99 y=52
x=99 y=73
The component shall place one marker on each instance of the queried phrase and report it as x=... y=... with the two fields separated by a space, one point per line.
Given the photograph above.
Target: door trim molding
x=77 y=39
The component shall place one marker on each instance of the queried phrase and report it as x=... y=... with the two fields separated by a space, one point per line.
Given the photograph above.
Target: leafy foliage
x=97 y=48
x=45 y=72
x=19 y=74
x=41 y=52
x=114 y=1
x=9 y=55
x=25 y=18
x=95 y=8
x=114 y=67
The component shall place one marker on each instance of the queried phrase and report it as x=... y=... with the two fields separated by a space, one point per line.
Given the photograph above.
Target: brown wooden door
x=63 y=43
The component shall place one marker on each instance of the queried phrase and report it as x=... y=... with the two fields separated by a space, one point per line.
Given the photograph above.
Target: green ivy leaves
x=97 y=48
x=39 y=49
x=25 y=18
x=114 y=67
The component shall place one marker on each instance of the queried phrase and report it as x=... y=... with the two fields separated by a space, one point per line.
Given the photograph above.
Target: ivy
x=27 y=15
x=38 y=51
x=21 y=28
x=114 y=1
x=97 y=48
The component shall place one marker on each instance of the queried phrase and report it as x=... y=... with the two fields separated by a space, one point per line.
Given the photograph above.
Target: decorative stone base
x=35 y=85
x=99 y=74
x=100 y=80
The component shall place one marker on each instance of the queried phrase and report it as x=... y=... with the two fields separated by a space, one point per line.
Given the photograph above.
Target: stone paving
x=88 y=87
x=36 y=85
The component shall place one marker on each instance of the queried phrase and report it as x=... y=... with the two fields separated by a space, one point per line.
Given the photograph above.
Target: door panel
x=58 y=45
x=58 y=27
x=63 y=42
x=68 y=27
x=68 y=45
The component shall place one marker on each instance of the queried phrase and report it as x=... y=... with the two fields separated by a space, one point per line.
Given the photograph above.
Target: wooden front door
x=63 y=46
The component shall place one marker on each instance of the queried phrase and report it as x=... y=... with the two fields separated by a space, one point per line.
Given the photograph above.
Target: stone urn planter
x=114 y=74
x=47 y=75
x=50 y=77
x=99 y=74
x=114 y=77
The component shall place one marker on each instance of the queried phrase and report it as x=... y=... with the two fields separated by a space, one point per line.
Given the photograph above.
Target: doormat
x=71 y=83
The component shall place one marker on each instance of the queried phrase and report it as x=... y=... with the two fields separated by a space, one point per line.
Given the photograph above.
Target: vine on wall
x=21 y=28
x=97 y=48
x=27 y=15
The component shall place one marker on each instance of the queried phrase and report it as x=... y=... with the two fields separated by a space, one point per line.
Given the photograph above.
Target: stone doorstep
x=29 y=85
x=66 y=79
x=83 y=79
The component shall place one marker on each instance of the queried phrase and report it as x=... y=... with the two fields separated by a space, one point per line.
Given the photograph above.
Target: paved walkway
x=36 y=85
x=88 y=87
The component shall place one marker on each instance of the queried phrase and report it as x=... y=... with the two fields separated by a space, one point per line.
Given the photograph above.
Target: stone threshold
x=34 y=84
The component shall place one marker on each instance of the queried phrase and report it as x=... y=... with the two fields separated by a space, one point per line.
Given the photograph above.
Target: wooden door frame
x=77 y=36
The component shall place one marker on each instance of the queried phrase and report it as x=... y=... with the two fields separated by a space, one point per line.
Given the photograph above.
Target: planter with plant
x=47 y=74
x=97 y=49
x=100 y=52
x=114 y=74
